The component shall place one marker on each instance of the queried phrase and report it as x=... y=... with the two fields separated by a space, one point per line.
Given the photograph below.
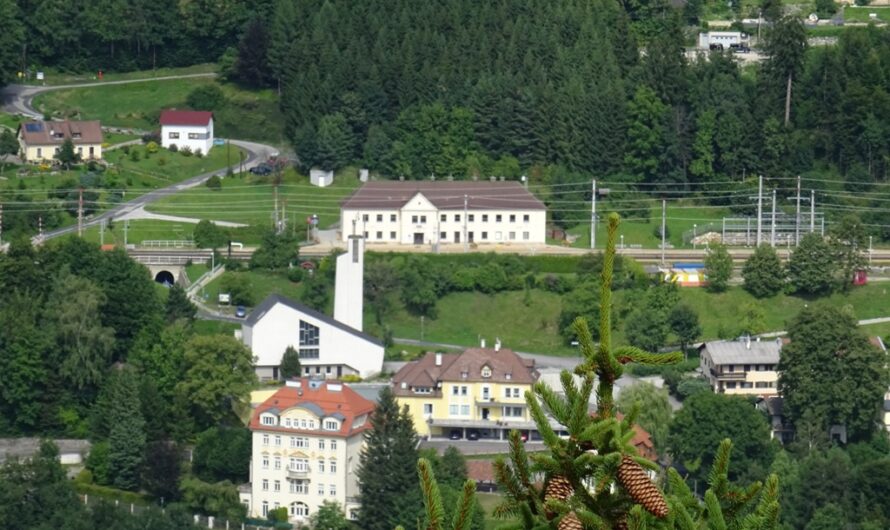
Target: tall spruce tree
x=593 y=478
x=126 y=438
x=390 y=493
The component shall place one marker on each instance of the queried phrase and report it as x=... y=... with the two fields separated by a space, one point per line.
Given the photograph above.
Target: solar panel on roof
x=34 y=127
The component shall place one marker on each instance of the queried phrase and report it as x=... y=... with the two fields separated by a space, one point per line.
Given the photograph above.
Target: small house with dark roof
x=477 y=393
x=437 y=212
x=327 y=347
x=306 y=443
x=187 y=128
x=41 y=141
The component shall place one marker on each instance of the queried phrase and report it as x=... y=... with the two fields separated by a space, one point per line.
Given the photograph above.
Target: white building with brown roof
x=306 y=442
x=41 y=141
x=477 y=393
x=444 y=212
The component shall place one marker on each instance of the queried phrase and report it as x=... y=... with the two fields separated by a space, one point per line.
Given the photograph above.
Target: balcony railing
x=739 y=376
x=297 y=475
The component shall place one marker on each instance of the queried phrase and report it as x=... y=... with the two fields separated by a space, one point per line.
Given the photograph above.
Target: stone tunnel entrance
x=165 y=277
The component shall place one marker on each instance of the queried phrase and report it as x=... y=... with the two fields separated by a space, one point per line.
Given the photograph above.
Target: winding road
x=18 y=99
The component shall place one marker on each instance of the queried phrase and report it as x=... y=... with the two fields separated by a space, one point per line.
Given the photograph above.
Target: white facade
x=722 y=38
x=741 y=367
x=195 y=137
x=328 y=348
x=420 y=223
x=349 y=289
x=321 y=178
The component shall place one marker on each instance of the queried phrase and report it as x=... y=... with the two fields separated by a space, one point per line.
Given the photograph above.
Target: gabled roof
x=744 y=351
x=195 y=118
x=424 y=372
x=326 y=399
x=56 y=132
x=260 y=311
x=445 y=195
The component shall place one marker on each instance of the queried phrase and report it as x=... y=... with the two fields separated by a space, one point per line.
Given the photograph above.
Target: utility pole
x=772 y=235
x=466 y=243
x=663 y=221
x=283 y=217
x=1 y=226
x=126 y=227
x=870 y=249
x=812 y=211
x=593 y=216
x=759 y=206
x=102 y=232
x=797 y=220
x=40 y=228
x=80 y=213
x=276 y=223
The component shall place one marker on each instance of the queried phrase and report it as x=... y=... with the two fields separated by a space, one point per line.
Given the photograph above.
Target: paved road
x=17 y=98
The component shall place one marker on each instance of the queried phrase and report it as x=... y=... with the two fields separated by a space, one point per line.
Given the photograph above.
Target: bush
x=126 y=497
x=186 y=151
x=135 y=155
x=206 y=97
x=351 y=378
x=98 y=464
x=295 y=274
x=173 y=148
x=656 y=231
x=557 y=284
x=152 y=137
x=162 y=161
x=151 y=147
x=214 y=183
x=125 y=149
x=199 y=153
x=278 y=515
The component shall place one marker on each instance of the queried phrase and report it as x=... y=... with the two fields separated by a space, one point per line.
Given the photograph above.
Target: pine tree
x=290 y=364
x=179 y=306
x=593 y=478
x=126 y=438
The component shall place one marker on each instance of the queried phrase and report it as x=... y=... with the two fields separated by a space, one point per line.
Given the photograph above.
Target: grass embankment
x=862 y=14
x=53 y=77
x=261 y=284
x=246 y=114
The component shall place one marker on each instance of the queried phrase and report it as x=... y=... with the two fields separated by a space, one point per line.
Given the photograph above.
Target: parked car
x=473 y=435
x=240 y=311
x=455 y=434
x=261 y=169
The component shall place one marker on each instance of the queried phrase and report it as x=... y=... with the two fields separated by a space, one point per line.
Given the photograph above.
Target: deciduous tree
x=812 y=268
x=290 y=364
x=654 y=410
x=763 y=272
x=718 y=267
x=683 y=321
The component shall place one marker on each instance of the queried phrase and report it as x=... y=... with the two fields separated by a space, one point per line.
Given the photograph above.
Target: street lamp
x=694 y=234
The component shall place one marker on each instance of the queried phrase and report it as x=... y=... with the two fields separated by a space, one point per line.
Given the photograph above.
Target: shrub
x=151 y=147
x=151 y=137
x=173 y=148
x=214 y=183
x=295 y=274
x=278 y=515
x=206 y=97
x=463 y=279
x=125 y=149
x=162 y=161
x=351 y=378
x=557 y=284
x=135 y=155
x=186 y=151
x=199 y=153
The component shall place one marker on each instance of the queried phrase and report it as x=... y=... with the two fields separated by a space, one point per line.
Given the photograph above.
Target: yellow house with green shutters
x=479 y=393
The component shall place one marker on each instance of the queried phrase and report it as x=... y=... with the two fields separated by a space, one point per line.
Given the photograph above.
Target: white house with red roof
x=187 y=128
x=306 y=442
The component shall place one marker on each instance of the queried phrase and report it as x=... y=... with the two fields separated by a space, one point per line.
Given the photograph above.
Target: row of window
x=301 y=487
x=746 y=384
x=56 y=151
x=421 y=219
x=299 y=442
x=464 y=410
x=443 y=236
x=192 y=136
x=750 y=367
x=462 y=390
x=300 y=464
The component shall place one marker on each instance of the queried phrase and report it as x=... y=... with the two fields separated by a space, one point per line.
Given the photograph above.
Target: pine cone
x=620 y=525
x=570 y=521
x=558 y=488
x=635 y=481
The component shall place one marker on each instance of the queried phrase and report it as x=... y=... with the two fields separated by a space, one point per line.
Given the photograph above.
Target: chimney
x=497 y=344
x=438 y=359
x=482 y=343
x=748 y=342
x=349 y=284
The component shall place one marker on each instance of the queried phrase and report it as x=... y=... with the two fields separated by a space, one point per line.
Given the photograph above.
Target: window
x=455 y=390
x=392 y=235
x=463 y=391
x=414 y=219
x=277 y=462
x=365 y=234
x=293 y=486
x=303 y=442
x=443 y=236
x=443 y=217
x=332 y=490
x=278 y=441
x=298 y=509
x=512 y=218
x=265 y=484
x=392 y=218
x=194 y=136
x=730 y=385
x=321 y=445
x=484 y=236
x=293 y=441
x=308 y=340
x=379 y=235
x=513 y=412
x=331 y=425
x=457 y=218
x=747 y=367
x=320 y=465
x=485 y=218
x=265 y=462
x=525 y=236
x=511 y=391
x=333 y=445
x=276 y=486
x=471 y=218
x=173 y=136
x=39 y=151
x=80 y=150
x=512 y=236
x=423 y=219
x=453 y=410
x=287 y=422
x=268 y=420
x=497 y=218
x=365 y=217
x=265 y=439
x=265 y=508
x=320 y=488
x=486 y=372
x=379 y=217
x=427 y=408
x=464 y=410
x=333 y=466
x=525 y=218
x=302 y=423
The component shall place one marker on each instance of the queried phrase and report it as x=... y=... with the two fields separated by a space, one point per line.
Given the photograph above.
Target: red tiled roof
x=480 y=470
x=185 y=117
x=344 y=404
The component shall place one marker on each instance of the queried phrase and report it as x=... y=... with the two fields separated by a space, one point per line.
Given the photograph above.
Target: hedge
x=540 y=264
x=110 y=493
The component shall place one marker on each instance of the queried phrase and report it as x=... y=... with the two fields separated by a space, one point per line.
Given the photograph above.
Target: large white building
x=446 y=212
x=306 y=443
x=187 y=128
x=328 y=347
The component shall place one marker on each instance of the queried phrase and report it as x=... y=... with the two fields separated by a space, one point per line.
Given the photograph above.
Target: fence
x=168 y=243
x=742 y=231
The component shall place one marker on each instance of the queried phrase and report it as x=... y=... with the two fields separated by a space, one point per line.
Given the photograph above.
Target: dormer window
x=486 y=371
x=464 y=374
x=508 y=376
x=331 y=425
x=268 y=420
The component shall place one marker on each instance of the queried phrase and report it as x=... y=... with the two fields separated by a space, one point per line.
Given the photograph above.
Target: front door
x=470 y=237
x=418 y=238
x=457 y=237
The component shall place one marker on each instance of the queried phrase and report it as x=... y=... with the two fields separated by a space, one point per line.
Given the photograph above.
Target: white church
x=329 y=347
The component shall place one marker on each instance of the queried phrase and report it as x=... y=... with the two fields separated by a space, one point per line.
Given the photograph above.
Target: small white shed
x=321 y=178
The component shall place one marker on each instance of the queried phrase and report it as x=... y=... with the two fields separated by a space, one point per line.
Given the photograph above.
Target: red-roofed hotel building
x=307 y=438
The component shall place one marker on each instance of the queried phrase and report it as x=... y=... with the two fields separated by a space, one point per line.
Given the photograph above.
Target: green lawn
x=247 y=114
x=262 y=284
x=861 y=14
x=113 y=138
x=55 y=77
x=10 y=121
x=215 y=327
x=139 y=231
x=879 y=330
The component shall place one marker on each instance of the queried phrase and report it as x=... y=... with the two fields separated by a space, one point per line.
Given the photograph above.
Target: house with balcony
x=479 y=392
x=306 y=441
x=436 y=212
x=745 y=366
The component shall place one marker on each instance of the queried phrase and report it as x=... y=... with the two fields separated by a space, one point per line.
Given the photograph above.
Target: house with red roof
x=306 y=442
x=192 y=129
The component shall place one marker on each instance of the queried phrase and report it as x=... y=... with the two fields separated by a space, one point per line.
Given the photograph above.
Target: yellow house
x=40 y=141
x=477 y=393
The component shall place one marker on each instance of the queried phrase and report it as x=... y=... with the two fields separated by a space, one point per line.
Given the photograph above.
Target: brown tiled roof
x=424 y=372
x=345 y=405
x=446 y=195
x=480 y=470
x=56 y=132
